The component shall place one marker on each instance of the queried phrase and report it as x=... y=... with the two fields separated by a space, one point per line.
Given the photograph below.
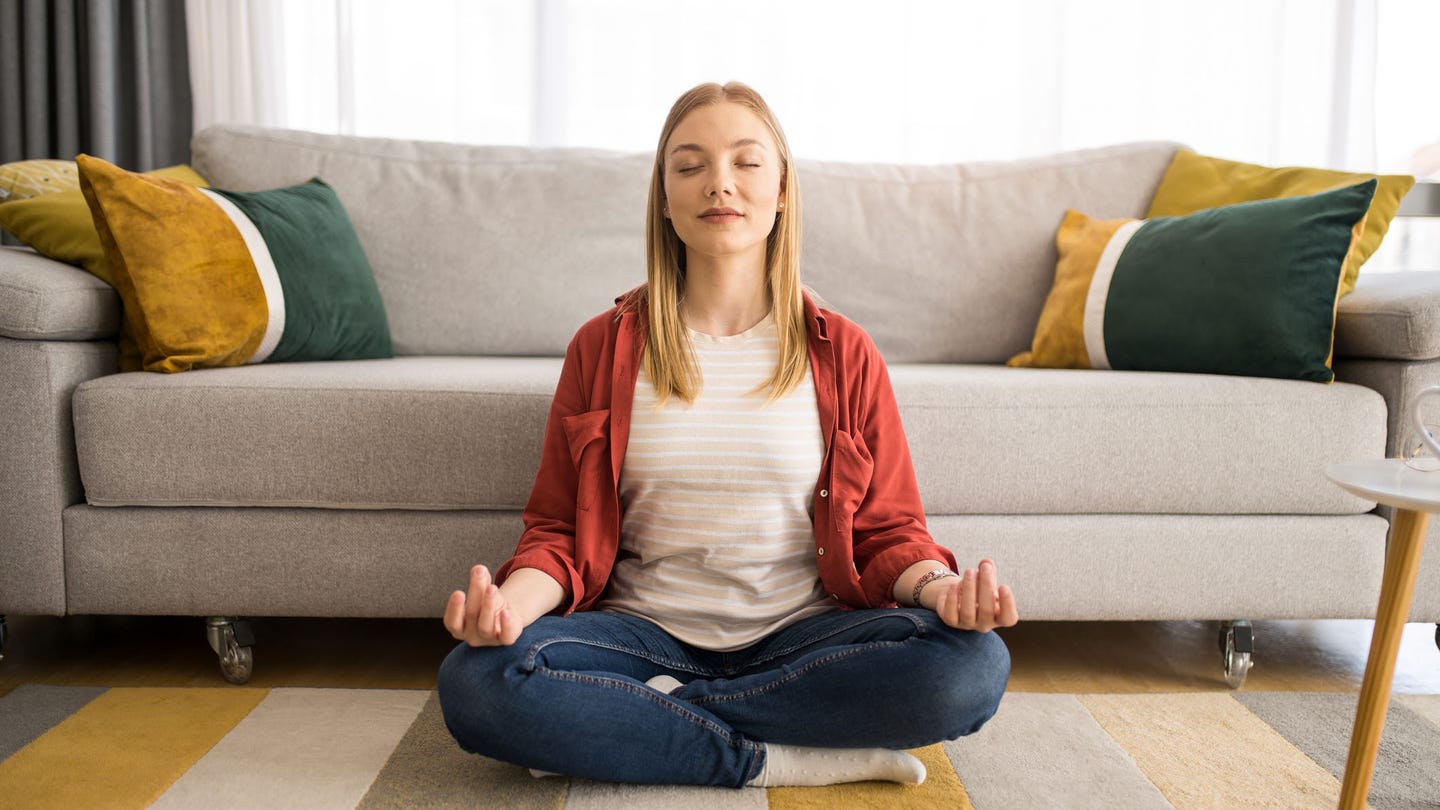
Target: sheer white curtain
x=1340 y=83
x=237 y=69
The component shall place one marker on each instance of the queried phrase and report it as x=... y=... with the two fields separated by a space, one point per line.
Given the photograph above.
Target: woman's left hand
x=974 y=600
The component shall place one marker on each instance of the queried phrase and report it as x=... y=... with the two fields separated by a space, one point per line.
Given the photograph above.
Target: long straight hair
x=669 y=356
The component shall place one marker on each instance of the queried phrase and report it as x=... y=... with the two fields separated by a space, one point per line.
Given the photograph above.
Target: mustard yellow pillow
x=25 y=179
x=58 y=225
x=1245 y=289
x=1196 y=182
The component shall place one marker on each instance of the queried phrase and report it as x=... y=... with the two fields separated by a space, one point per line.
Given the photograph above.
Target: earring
x=782 y=206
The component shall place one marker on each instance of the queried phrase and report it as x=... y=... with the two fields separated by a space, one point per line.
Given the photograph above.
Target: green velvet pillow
x=1245 y=289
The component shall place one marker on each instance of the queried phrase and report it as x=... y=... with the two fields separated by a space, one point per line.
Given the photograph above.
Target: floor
x=1324 y=656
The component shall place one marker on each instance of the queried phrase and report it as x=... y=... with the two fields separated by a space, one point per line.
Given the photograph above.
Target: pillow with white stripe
x=224 y=278
x=1247 y=289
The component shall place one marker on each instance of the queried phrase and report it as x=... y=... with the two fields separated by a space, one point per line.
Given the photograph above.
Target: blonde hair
x=669 y=358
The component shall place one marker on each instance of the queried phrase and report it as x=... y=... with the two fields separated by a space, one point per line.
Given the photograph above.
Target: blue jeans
x=570 y=696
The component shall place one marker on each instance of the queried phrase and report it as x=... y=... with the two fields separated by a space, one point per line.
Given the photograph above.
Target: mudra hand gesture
x=974 y=600
x=482 y=616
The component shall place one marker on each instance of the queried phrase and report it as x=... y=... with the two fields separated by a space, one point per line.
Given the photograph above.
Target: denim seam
x=919 y=629
x=646 y=692
x=792 y=675
x=680 y=666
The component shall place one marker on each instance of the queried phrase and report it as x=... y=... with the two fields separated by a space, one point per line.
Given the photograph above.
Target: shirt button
x=821 y=552
x=824 y=493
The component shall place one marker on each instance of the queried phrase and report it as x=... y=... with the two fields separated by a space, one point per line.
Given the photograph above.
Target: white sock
x=802 y=766
x=664 y=683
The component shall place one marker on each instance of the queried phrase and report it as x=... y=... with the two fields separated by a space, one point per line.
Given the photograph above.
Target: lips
x=721 y=215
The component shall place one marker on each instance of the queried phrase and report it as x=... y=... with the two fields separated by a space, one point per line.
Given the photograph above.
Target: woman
x=724 y=522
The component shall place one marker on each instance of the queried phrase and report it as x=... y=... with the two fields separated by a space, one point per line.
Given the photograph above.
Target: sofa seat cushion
x=465 y=433
x=407 y=433
x=992 y=440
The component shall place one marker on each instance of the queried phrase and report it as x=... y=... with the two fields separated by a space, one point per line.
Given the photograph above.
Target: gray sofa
x=367 y=488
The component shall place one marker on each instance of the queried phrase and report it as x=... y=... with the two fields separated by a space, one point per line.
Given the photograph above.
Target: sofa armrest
x=1391 y=316
x=42 y=299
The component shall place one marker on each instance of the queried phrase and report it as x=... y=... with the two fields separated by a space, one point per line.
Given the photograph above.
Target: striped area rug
x=67 y=747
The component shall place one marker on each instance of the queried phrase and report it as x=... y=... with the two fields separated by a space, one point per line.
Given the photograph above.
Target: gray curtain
x=109 y=78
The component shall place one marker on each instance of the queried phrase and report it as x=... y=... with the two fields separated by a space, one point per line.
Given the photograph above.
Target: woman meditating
x=725 y=576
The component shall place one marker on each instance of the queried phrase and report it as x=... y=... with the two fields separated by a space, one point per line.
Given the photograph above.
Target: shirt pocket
x=588 y=436
x=851 y=471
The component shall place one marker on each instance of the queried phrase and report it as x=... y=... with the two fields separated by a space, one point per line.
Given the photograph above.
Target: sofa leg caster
x=232 y=640
x=1237 y=645
x=4 y=635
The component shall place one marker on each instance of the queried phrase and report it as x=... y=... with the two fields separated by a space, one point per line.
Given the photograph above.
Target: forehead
x=717 y=126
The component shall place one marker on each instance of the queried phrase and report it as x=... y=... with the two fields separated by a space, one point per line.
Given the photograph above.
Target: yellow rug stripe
x=123 y=749
x=1210 y=751
x=942 y=788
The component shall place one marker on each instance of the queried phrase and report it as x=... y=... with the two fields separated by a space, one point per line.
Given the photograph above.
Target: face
x=722 y=181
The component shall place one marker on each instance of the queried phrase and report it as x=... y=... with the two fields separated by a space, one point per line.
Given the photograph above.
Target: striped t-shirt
x=717 y=545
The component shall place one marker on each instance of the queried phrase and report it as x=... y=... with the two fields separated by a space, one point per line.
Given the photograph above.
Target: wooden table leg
x=1402 y=560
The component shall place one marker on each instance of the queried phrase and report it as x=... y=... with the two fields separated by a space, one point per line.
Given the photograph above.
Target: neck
x=724 y=295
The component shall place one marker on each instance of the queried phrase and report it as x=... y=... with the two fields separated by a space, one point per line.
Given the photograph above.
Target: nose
x=721 y=182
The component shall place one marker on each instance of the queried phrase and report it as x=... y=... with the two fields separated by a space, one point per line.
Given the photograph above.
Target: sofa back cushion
x=952 y=264
x=500 y=250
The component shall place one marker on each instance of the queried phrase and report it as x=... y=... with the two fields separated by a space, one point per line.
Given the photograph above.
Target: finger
x=966 y=611
x=509 y=626
x=1009 y=614
x=475 y=599
x=455 y=615
x=488 y=622
x=986 y=595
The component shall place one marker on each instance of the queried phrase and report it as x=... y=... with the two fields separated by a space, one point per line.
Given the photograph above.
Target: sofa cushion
x=477 y=250
x=1240 y=289
x=1195 y=182
x=465 y=433
x=493 y=250
x=221 y=278
x=413 y=433
x=994 y=440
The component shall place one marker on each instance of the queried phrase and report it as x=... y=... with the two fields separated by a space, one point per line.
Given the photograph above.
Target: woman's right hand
x=482 y=617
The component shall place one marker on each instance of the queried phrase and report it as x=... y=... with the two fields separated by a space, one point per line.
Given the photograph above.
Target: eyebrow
x=691 y=147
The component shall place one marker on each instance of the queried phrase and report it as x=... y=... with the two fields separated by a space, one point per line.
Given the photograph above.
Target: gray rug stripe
x=33 y=709
x=428 y=769
x=1427 y=706
x=1320 y=724
x=1041 y=747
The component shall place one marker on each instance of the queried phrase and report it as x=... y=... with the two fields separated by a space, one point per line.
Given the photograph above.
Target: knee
x=970 y=680
x=469 y=687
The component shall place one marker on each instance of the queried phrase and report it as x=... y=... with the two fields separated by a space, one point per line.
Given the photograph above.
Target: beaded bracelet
x=926 y=579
